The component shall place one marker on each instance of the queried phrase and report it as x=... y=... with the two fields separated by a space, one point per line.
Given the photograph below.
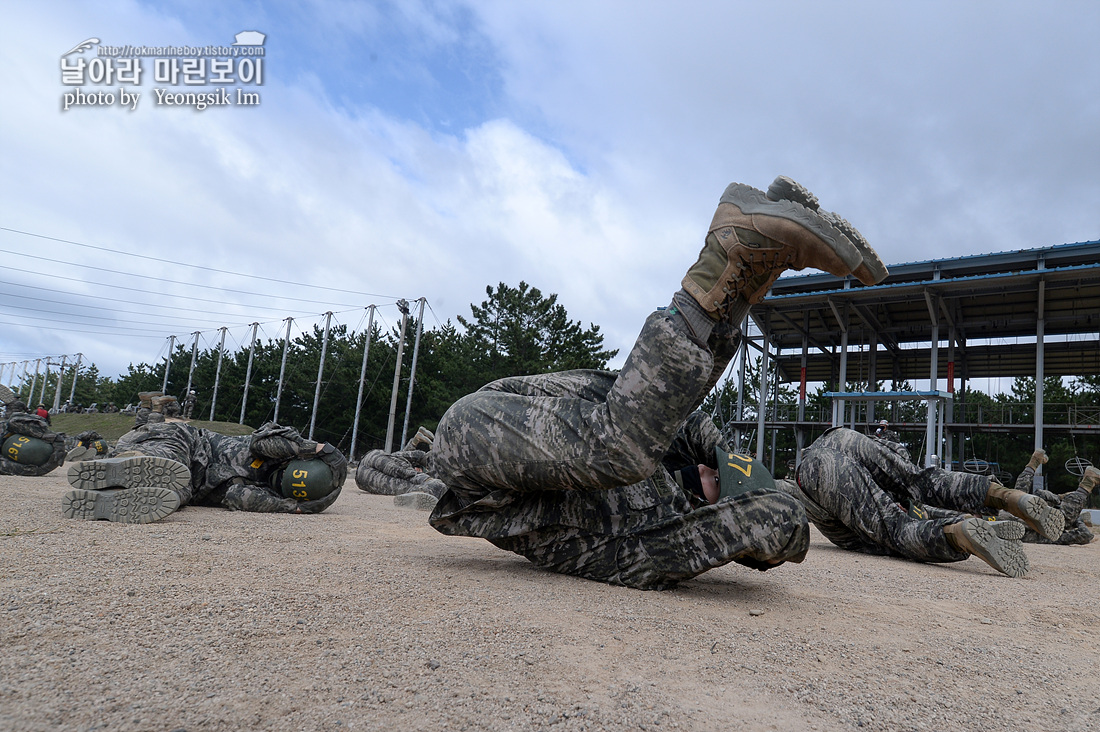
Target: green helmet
x=27 y=450
x=739 y=474
x=307 y=480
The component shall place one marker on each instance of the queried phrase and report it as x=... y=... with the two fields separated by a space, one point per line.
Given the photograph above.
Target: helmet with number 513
x=307 y=480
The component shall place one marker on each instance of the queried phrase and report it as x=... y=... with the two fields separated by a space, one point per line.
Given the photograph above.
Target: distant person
x=161 y=467
x=188 y=404
x=43 y=413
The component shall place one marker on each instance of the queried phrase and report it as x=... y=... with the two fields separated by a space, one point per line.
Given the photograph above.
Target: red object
x=42 y=413
x=802 y=386
x=950 y=377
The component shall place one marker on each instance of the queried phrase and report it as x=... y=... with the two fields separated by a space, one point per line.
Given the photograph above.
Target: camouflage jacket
x=240 y=473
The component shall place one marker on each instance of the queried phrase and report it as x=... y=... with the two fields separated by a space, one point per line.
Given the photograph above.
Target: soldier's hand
x=320 y=504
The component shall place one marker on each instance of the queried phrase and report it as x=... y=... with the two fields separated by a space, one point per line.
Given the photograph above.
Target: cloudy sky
x=410 y=149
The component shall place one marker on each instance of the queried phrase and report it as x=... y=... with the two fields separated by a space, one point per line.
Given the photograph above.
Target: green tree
x=518 y=331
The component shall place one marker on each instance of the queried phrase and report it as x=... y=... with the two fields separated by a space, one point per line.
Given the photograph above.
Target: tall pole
x=45 y=380
x=362 y=378
x=282 y=371
x=320 y=372
x=57 y=391
x=412 y=372
x=76 y=370
x=34 y=382
x=217 y=374
x=762 y=400
x=168 y=363
x=22 y=381
x=191 y=371
x=404 y=308
x=248 y=371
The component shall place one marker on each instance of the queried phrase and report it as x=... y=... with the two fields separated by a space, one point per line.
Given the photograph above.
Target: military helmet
x=27 y=450
x=307 y=480
x=739 y=474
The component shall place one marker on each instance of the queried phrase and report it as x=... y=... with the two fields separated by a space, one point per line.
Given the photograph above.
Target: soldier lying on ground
x=89 y=446
x=572 y=470
x=27 y=446
x=1070 y=504
x=864 y=495
x=160 y=467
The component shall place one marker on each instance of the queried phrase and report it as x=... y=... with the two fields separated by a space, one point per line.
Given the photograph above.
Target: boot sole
x=1041 y=517
x=140 y=505
x=1005 y=556
x=415 y=500
x=753 y=201
x=77 y=453
x=872 y=271
x=129 y=472
x=1010 y=530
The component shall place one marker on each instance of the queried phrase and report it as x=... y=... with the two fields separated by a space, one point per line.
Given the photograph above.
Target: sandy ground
x=364 y=618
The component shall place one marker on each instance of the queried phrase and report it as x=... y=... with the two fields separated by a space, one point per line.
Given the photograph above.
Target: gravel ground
x=364 y=618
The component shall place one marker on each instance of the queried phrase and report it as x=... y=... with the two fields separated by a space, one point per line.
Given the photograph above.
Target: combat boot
x=871 y=270
x=1089 y=479
x=1040 y=517
x=160 y=403
x=145 y=398
x=984 y=540
x=140 y=505
x=1039 y=457
x=130 y=472
x=752 y=240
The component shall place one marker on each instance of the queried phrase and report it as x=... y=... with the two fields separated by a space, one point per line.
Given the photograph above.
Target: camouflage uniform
x=30 y=425
x=394 y=474
x=571 y=470
x=1070 y=504
x=865 y=496
x=238 y=473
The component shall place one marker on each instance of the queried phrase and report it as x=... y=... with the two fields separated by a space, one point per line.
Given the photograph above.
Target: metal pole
x=320 y=371
x=762 y=401
x=412 y=372
x=1040 y=374
x=168 y=363
x=22 y=381
x=34 y=382
x=362 y=377
x=248 y=371
x=775 y=407
x=191 y=371
x=57 y=391
x=282 y=371
x=404 y=308
x=930 y=427
x=799 y=433
x=45 y=380
x=741 y=381
x=217 y=374
x=76 y=370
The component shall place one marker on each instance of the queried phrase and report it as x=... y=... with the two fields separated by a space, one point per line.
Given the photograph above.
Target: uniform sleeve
x=257 y=499
x=392 y=474
x=281 y=443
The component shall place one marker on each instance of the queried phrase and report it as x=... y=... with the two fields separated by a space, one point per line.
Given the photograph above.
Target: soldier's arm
x=260 y=499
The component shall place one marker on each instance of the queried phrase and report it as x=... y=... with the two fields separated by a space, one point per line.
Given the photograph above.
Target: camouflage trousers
x=566 y=470
x=856 y=488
